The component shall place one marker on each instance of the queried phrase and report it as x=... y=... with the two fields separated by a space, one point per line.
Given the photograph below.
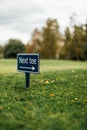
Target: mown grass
x=56 y=99
x=10 y=66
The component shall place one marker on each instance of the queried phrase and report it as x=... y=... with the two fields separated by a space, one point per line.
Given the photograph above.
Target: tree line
x=50 y=43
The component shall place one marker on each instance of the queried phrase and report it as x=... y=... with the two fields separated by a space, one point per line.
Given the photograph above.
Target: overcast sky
x=19 y=18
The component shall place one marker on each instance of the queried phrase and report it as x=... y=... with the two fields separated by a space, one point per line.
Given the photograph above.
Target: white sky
x=19 y=18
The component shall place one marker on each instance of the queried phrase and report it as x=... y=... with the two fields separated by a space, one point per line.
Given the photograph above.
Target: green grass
x=10 y=66
x=56 y=99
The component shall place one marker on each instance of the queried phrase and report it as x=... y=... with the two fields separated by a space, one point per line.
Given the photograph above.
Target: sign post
x=28 y=63
x=27 y=76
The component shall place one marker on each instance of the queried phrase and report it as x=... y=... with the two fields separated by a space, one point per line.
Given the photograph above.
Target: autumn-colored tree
x=35 y=44
x=51 y=35
x=45 y=41
x=51 y=44
x=75 y=47
x=65 y=51
x=76 y=51
x=72 y=48
x=1 y=51
x=29 y=48
x=84 y=41
x=36 y=41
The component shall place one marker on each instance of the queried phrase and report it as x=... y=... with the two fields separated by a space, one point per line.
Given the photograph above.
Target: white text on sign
x=27 y=60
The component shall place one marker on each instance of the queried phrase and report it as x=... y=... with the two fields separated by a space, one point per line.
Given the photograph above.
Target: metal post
x=27 y=76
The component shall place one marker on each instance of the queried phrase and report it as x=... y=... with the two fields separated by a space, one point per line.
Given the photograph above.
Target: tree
x=13 y=47
x=51 y=35
x=65 y=51
x=34 y=45
x=1 y=51
x=45 y=41
x=76 y=49
x=84 y=39
x=29 y=48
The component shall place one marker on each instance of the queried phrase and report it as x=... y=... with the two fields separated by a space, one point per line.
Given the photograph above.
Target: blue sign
x=28 y=63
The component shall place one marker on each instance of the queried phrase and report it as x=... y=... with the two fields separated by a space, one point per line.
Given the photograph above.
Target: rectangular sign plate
x=28 y=62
